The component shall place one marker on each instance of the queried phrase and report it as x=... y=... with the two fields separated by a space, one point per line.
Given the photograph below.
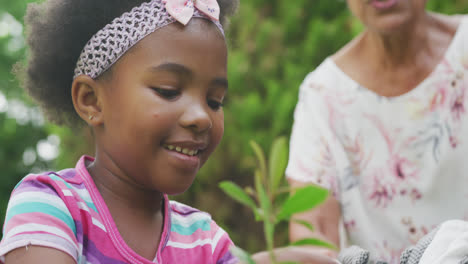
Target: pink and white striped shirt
x=64 y=210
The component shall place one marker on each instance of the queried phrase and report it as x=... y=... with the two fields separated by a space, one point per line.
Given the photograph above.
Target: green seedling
x=263 y=198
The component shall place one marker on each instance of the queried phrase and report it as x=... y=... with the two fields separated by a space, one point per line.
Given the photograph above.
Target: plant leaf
x=313 y=242
x=302 y=200
x=259 y=215
x=261 y=159
x=238 y=194
x=242 y=255
x=305 y=224
x=277 y=162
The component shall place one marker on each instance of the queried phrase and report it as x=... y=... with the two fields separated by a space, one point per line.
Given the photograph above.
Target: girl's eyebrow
x=179 y=69
x=220 y=81
x=186 y=72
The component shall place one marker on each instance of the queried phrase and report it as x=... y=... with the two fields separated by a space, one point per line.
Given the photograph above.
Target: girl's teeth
x=185 y=151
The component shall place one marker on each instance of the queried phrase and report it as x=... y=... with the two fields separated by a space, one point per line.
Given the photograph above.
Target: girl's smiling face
x=162 y=107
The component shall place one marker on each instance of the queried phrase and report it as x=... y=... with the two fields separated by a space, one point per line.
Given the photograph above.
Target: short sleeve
x=311 y=157
x=37 y=215
x=222 y=246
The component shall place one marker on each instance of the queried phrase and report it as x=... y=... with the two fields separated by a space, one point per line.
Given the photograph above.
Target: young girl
x=149 y=78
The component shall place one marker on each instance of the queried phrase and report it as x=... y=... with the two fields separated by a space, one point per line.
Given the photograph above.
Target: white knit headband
x=116 y=38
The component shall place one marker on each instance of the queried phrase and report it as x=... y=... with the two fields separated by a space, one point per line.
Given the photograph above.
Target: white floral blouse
x=399 y=165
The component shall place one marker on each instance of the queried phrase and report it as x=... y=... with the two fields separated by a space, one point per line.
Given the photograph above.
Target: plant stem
x=269 y=238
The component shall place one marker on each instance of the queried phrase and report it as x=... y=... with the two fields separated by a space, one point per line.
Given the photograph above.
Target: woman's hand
x=303 y=255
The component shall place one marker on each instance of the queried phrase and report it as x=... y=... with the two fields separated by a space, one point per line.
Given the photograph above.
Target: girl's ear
x=86 y=99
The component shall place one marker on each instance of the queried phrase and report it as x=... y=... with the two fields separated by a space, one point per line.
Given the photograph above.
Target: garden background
x=273 y=45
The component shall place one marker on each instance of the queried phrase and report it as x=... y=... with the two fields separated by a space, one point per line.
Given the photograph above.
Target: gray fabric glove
x=413 y=254
x=354 y=255
x=464 y=260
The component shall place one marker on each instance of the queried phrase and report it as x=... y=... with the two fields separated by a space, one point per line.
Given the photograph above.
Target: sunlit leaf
x=305 y=224
x=259 y=215
x=313 y=242
x=237 y=193
x=277 y=162
x=302 y=200
x=261 y=159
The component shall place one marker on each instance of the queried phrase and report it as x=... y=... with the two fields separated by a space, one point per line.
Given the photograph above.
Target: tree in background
x=273 y=45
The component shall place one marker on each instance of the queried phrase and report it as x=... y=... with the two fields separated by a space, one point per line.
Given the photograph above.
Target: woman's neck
x=393 y=64
x=396 y=49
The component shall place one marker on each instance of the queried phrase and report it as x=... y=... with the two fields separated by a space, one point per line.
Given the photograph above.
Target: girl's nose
x=196 y=118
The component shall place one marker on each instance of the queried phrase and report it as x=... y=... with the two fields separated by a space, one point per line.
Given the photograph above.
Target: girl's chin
x=178 y=185
x=177 y=191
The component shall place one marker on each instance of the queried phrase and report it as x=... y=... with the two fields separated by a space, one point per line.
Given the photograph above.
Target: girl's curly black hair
x=57 y=31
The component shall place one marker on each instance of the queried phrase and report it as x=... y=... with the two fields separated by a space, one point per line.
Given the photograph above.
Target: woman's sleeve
x=37 y=215
x=311 y=156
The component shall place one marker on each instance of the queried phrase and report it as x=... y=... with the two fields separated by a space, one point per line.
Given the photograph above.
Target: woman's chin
x=390 y=24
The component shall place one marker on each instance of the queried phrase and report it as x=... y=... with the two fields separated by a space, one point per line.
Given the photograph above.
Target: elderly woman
x=383 y=124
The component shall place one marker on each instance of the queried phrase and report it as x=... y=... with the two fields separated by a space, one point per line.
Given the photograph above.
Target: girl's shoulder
x=42 y=207
x=48 y=180
x=187 y=221
x=186 y=215
x=195 y=234
x=61 y=188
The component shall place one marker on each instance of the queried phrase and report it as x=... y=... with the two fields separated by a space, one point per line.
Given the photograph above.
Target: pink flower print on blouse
x=401 y=167
x=327 y=173
x=337 y=102
x=444 y=88
x=358 y=161
x=357 y=156
x=458 y=104
x=414 y=194
x=323 y=170
x=438 y=99
x=453 y=141
x=415 y=233
x=456 y=88
x=439 y=96
x=350 y=225
x=397 y=166
x=381 y=193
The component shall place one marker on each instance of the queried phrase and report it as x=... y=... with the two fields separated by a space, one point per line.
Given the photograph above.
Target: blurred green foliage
x=273 y=45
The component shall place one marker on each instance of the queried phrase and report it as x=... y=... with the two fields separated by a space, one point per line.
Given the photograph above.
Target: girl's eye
x=215 y=105
x=167 y=93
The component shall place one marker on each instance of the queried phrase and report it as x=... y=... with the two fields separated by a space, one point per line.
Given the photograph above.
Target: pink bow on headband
x=182 y=10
